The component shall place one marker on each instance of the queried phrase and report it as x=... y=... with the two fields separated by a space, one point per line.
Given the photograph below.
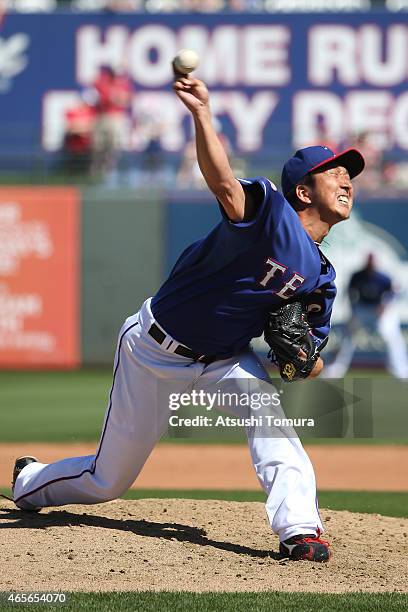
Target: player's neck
x=314 y=226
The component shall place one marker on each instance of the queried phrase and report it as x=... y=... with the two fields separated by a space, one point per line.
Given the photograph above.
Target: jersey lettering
x=314 y=308
x=271 y=273
x=289 y=289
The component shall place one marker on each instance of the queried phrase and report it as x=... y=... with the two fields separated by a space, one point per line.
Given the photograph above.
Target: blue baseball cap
x=309 y=159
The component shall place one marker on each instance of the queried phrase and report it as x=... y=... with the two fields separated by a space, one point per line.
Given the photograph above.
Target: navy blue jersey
x=370 y=287
x=218 y=293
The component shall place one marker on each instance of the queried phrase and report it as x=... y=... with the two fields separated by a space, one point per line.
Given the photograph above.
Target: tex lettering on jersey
x=218 y=294
x=289 y=288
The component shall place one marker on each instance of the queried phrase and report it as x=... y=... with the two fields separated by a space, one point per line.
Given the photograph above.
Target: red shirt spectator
x=79 y=121
x=114 y=92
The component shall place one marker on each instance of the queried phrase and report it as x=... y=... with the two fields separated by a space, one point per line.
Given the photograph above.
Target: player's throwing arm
x=211 y=156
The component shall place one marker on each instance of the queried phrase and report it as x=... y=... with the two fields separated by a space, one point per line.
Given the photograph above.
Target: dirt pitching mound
x=191 y=545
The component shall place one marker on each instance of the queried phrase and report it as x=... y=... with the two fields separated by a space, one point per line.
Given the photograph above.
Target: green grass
x=377 y=502
x=371 y=502
x=58 y=406
x=53 y=406
x=225 y=602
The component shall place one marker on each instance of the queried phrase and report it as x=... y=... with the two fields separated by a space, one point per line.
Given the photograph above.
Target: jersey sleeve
x=319 y=305
x=269 y=208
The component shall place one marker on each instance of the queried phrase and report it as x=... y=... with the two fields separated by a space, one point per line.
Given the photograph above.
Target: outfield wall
x=74 y=265
x=122 y=263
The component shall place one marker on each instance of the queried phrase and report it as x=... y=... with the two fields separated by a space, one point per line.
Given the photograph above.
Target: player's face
x=333 y=194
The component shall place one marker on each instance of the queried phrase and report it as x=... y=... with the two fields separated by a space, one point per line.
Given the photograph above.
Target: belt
x=156 y=333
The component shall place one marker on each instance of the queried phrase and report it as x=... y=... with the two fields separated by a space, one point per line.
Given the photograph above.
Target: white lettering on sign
x=309 y=108
x=400 y=121
x=256 y=56
x=369 y=111
x=332 y=54
x=95 y=49
x=248 y=115
x=15 y=309
x=265 y=56
x=388 y=68
x=21 y=239
x=352 y=56
x=212 y=48
x=229 y=55
x=150 y=50
x=55 y=106
x=379 y=112
x=13 y=58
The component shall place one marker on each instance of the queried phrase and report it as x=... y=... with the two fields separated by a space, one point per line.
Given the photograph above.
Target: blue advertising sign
x=276 y=81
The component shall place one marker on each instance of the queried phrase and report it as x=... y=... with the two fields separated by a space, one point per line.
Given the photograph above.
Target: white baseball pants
x=135 y=420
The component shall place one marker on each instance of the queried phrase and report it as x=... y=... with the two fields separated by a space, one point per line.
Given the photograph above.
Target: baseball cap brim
x=351 y=159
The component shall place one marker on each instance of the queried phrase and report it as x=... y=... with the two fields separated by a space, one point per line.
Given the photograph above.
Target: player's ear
x=303 y=194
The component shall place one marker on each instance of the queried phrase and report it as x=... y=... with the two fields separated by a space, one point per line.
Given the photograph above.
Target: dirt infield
x=192 y=545
x=173 y=466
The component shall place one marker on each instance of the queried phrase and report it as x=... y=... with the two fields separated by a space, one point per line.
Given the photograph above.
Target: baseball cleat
x=305 y=546
x=19 y=465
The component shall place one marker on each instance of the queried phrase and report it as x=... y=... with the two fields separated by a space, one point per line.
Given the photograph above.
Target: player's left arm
x=212 y=158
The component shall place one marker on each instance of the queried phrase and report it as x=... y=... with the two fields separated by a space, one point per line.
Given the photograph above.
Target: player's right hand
x=192 y=92
x=317 y=368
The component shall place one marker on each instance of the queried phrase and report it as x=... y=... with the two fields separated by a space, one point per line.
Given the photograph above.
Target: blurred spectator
x=395 y=175
x=115 y=6
x=238 y=6
x=373 y=156
x=189 y=174
x=153 y=164
x=124 y=6
x=201 y=6
x=31 y=6
x=114 y=94
x=324 y=137
x=88 y=5
x=79 y=126
x=184 y=6
x=3 y=10
x=373 y=308
x=162 y=6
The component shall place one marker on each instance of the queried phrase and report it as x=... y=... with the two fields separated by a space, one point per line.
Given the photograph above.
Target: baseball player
x=263 y=254
x=373 y=307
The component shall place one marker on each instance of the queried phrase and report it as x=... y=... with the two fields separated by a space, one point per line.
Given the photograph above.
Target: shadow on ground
x=169 y=531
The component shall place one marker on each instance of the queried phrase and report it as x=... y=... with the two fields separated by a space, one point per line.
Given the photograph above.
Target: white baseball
x=186 y=61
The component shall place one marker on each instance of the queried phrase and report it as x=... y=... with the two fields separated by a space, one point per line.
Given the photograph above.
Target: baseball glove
x=293 y=349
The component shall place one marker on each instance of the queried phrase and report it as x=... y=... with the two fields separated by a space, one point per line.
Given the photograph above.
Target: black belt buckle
x=207 y=359
x=157 y=334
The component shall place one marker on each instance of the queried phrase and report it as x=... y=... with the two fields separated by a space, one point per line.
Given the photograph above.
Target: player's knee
x=111 y=493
